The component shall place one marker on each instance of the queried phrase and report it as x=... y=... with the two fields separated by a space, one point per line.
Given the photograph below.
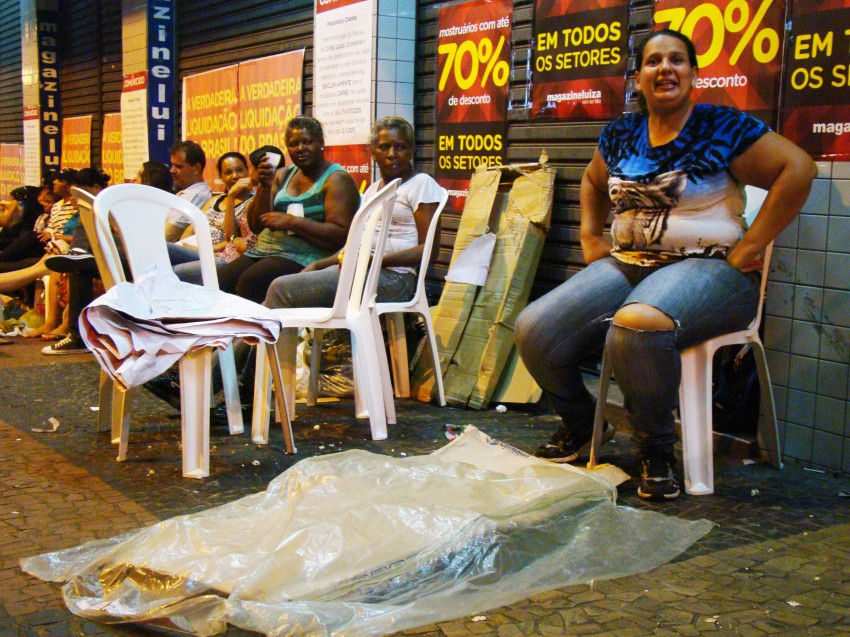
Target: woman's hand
x=240 y=244
x=276 y=220
x=744 y=260
x=266 y=173
x=241 y=187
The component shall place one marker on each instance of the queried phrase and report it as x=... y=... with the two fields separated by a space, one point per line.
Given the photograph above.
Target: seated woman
x=229 y=229
x=393 y=145
x=55 y=327
x=286 y=243
x=682 y=267
x=25 y=248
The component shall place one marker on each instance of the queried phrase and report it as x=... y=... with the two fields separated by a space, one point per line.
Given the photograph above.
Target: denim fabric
x=703 y=297
x=318 y=288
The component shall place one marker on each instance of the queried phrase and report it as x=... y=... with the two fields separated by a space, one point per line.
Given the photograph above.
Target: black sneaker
x=69 y=345
x=218 y=414
x=566 y=445
x=76 y=260
x=658 y=480
x=166 y=387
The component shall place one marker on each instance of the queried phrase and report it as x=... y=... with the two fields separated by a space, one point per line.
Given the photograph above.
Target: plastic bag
x=363 y=544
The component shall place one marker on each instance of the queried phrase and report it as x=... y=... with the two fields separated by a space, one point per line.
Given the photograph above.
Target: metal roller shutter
x=212 y=35
x=90 y=49
x=11 y=93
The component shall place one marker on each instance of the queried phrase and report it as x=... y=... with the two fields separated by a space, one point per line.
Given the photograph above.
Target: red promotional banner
x=816 y=104
x=739 y=50
x=269 y=96
x=211 y=115
x=579 y=59
x=473 y=58
x=76 y=142
x=11 y=169
x=111 y=149
x=357 y=161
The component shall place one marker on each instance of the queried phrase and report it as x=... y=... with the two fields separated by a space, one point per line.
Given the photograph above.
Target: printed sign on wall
x=111 y=153
x=579 y=59
x=76 y=142
x=473 y=55
x=211 y=115
x=343 y=75
x=11 y=173
x=816 y=104
x=134 y=122
x=739 y=50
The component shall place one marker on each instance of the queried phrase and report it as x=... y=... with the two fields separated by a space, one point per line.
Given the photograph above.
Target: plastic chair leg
x=281 y=408
x=262 y=397
x=104 y=401
x=195 y=368
x=399 y=358
x=227 y=365
x=383 y=367
x=599 y=414
x=435 y=355
x=695 y=413
x=364 y=352
x=768 y=433
x=121 y=408
x=315 y=367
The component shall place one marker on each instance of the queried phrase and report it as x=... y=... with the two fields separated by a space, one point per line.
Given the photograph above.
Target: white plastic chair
x=396 y=338
x=111 y=398
x=140 y=212
x=351 y=311
x=695 y=391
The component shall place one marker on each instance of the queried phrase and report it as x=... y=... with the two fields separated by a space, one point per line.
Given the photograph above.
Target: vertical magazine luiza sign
x=343 y=75
x=473 y=62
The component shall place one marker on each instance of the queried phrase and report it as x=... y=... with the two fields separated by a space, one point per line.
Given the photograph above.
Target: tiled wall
x=396 y=50
x=807 y=329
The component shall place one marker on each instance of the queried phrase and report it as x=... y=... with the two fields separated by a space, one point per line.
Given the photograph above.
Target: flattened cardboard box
x=475 y=326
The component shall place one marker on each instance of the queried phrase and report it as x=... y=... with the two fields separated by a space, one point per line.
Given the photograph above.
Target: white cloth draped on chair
x=138 y=330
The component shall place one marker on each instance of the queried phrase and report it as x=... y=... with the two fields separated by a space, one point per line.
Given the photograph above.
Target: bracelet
x=340 y=255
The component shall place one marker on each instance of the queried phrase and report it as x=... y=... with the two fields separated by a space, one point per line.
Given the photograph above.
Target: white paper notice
x=342 y=71
x=134 y=123
x=473 y=264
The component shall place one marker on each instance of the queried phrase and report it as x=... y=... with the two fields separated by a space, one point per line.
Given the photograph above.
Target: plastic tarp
x=363 y=544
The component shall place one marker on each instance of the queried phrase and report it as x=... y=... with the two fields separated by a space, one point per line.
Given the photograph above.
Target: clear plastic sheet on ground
x=357 y=543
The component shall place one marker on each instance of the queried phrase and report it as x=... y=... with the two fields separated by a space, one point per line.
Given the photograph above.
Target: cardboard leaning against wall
x=474 y=325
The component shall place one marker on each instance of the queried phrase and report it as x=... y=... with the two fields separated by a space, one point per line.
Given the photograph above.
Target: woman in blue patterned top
x=682 y=265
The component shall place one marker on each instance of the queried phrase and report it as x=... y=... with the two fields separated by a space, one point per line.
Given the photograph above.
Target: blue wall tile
x=829 y=415
x=800 y=409
x=832 y=379
x=826 y=450
x=798 y=442
x=836 y=307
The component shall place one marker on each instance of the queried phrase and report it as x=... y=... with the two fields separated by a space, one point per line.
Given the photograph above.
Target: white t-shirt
x=198 y=193
x=411 y=194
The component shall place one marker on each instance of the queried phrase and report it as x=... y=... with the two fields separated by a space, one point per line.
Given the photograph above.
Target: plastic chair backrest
x=358 y=250
x=429 y=246
x=755 y=198
x=85 y=204
x=139 y=213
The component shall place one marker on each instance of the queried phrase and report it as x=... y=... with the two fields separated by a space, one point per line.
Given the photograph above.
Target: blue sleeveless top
x=292 y=246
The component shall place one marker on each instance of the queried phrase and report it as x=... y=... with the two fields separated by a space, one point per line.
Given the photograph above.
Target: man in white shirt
x=187 y=167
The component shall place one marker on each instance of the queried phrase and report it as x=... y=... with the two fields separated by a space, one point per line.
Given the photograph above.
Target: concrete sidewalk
x=777 y=563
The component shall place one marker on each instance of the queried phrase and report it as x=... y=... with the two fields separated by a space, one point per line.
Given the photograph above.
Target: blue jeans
x=318 y=288
x=703 y=297
x=187 y=264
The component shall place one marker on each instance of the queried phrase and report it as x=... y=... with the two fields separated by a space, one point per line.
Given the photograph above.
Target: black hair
x=393 y=123
x=309 y=124
x=692 y=52
x=158 y=175
x=231 y=155
x=257 y=156
x=90 y=177
x=193 y=152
